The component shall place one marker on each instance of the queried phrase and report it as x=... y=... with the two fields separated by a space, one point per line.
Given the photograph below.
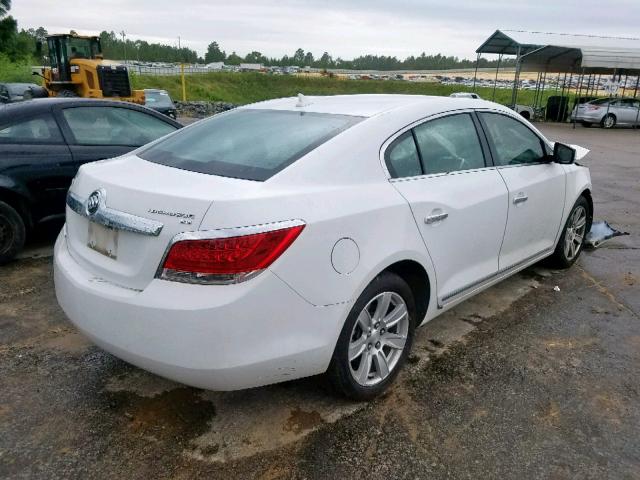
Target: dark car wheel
x=609 y=121
x=573 y=235
x=67 y=93
x=375 y=340
x=12 y=233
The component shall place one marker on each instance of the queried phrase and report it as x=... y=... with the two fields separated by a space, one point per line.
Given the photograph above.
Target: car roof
x=41 y=105
x=369 y=105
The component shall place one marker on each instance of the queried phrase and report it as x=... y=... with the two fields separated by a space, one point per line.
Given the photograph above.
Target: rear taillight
x=227 y=256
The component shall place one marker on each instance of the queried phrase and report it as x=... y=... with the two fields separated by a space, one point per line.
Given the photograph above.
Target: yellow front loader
x=78 y=69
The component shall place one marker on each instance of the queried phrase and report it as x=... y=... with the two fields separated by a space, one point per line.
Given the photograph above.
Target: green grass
x=243 y=88
x=15 y=71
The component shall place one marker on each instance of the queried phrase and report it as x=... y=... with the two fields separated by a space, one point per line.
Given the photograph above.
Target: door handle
x=437 y=217
x=520 y=198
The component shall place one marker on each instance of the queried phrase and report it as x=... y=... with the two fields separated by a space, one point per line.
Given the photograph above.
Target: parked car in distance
x=465 y=95
x=160 y=101
x=43 y=143
x=17 y=92
x=523 y=110
x=303 y=235
x=608 y=112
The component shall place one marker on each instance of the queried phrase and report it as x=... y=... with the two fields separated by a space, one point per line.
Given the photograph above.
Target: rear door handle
x=437 y=217
x=520 y=198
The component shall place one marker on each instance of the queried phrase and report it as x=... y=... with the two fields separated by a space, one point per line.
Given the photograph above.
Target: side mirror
x=563 y=154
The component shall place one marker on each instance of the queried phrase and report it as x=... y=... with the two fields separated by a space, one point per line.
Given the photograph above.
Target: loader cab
x=65 y=48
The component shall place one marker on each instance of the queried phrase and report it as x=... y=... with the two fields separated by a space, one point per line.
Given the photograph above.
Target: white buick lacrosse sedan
x=306 y=235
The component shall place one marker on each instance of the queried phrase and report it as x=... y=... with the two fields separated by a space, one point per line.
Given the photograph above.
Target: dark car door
x=36 y=160
x=96 y=132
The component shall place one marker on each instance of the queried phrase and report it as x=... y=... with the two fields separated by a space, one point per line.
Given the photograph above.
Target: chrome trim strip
x=449 y=297
x=163 y=274
x=114 y=218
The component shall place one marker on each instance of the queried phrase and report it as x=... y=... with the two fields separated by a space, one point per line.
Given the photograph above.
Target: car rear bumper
x=215 y=337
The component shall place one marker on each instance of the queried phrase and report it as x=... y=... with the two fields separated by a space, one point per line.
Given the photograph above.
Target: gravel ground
x=521 y=381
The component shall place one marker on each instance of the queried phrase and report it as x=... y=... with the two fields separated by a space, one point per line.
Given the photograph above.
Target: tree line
x=364 y=62
x=24 y=46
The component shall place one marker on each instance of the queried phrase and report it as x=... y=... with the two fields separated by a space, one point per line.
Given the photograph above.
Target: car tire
x=587 y=124
x=573 y=235
x=365 y=337
x=526 y=115
x=609 y=121
x=12 y=233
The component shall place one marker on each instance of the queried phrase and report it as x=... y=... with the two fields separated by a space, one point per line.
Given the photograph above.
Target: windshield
x=600 y=101
x=82 y=48
x=247 y=144
x=157 y=99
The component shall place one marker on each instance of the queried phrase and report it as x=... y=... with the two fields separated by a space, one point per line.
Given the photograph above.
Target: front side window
x=449 y=144
x=114 y=126
x=248 y=144
x=513 y=142
x=40 y=129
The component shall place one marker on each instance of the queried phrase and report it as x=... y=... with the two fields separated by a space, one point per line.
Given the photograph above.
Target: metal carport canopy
x=508 y=42
x=587 y=59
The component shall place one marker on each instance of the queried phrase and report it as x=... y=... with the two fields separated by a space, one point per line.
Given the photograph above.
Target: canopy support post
x=495 y=81
x=475 y=75
x=516 y=79
x=577 y=102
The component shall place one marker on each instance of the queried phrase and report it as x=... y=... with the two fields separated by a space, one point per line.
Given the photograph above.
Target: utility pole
x=179 y=50
x=124 y=46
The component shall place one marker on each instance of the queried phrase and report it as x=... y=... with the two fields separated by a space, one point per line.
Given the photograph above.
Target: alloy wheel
x=574 y=234
x=378 y=338
x=609 y=121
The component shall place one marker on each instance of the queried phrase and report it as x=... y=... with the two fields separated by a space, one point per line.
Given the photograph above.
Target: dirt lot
x=522 y=381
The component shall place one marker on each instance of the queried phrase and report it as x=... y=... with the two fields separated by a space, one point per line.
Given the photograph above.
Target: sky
x=345 y=29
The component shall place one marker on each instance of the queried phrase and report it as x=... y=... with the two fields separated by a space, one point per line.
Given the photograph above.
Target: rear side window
x=449 y=144
x=114 y=126
x=40 y=129
x=247 y=144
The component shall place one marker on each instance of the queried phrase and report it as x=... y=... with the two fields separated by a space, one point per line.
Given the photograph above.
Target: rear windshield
x=247 y=144
x=158 y=99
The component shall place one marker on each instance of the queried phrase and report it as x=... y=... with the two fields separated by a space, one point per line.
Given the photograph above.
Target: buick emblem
x=93 y=202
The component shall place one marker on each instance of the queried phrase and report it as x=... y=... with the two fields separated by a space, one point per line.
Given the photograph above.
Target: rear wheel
x=609 y=121
x=375 y=340
x=12 y=233
x=572 y=239
x=525 y=114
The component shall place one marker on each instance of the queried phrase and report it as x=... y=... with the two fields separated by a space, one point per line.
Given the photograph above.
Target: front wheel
x=573 y=235
x=375 y=340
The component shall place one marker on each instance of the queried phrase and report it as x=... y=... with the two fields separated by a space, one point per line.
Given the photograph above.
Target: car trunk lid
x=156 y=202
